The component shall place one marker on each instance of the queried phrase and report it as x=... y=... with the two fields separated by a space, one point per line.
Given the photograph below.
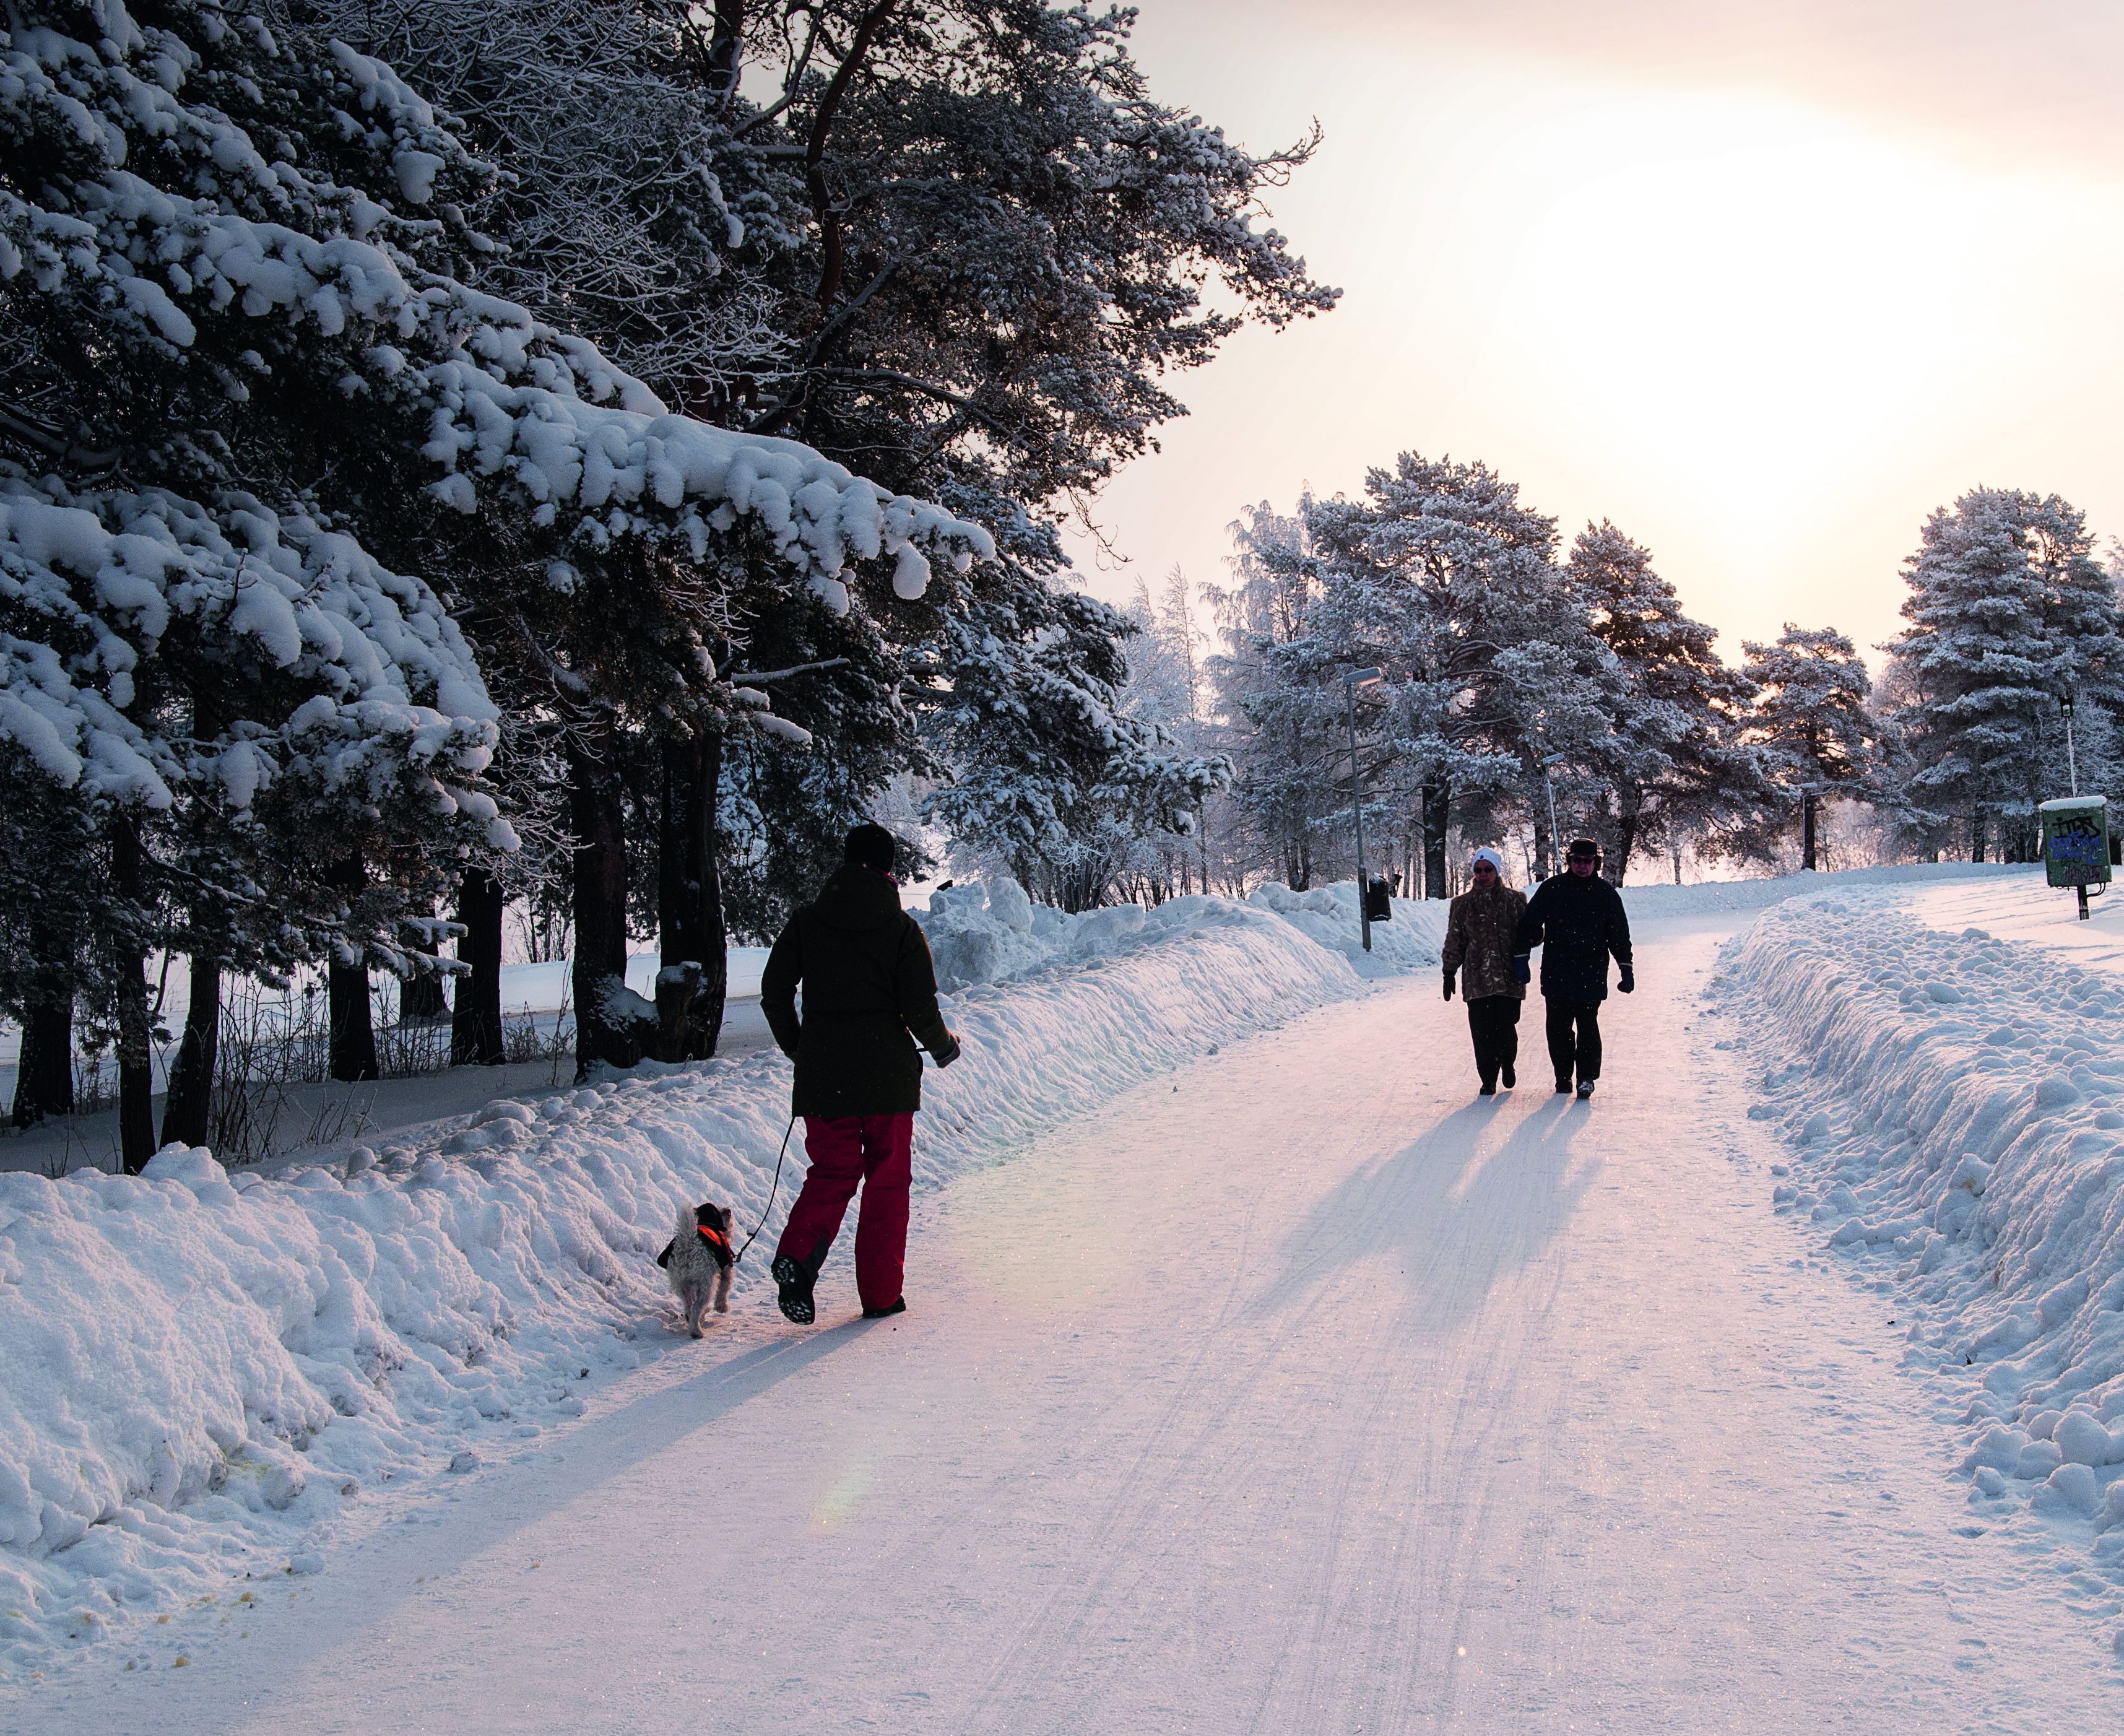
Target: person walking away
x=869 y=995
x=1481 y=928
x=1577 y=920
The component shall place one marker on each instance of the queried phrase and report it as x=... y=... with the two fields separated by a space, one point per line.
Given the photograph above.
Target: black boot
x=1506 y=1077
x=1584 y=1089
x=796 y=1284
x=899 y=1306
x=1563 y=1088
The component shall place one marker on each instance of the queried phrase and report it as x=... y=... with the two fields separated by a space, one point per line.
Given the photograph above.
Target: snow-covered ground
x=1952 y=1100
x=1272 y=1382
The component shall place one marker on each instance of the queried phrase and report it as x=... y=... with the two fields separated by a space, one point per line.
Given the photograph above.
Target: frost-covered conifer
x=1052 y=776
x=957 y=250
x=1810 y=721
x=2009 y=612
x=1281 y=720
x=1441 y=577
x=1673 y=762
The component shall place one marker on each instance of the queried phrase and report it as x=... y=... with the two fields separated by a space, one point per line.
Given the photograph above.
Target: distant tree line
x=472 y=450
x=1516 y=671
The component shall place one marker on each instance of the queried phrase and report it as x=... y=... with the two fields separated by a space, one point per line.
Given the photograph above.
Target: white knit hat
x=1489 y=855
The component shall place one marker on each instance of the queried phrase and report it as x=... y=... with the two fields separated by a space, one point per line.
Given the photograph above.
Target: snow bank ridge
x=1956 y=1105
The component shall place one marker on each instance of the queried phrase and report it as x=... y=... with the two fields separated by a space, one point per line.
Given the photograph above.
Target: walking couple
x=1577 y=920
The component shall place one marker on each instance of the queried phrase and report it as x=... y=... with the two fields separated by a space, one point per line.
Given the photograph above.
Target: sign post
x=2076 y=845
x=1352 y=680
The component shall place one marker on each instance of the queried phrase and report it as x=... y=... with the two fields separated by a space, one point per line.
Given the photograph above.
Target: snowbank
x=205 y=1373
x=1955 y=1103
x=995 y=933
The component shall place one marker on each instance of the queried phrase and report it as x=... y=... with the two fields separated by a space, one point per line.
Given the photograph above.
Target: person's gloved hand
x=1449 y=985
x=948 y=1052
x=1628 y=981
x=1521 y=969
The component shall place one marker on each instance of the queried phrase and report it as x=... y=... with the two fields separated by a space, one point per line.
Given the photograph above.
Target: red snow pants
x=876 y=1152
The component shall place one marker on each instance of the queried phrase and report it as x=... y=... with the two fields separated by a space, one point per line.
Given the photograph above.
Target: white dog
x=700 y=1261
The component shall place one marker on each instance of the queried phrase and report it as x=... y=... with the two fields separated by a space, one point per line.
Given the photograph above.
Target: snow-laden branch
x=381 y=690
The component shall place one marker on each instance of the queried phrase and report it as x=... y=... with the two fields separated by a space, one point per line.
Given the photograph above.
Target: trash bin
x=2076 y=847
x=1378 y=900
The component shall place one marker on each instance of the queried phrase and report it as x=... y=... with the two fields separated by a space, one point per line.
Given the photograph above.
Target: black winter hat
x=1584 y=848
x=872 y=846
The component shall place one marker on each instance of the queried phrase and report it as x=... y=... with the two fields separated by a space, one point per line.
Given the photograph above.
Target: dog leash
x=769 y=1212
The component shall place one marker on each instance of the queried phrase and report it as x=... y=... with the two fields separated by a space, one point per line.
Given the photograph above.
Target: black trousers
x=1579 y=1049
x=1493 y=1021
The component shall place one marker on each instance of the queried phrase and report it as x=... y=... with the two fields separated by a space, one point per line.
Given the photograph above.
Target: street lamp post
x=2071 y=757
x=1352 y=680
x=1555 y=846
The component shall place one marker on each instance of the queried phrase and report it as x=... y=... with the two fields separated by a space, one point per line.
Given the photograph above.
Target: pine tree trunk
x=1975 y=834
x=44 y=1073
x=476 y=1019
x=1806 y=830
x=136 y=1074
x=188 y=1109
x=1626 y=819
x=351 y=1050
x=1437 y=813
x=1674 y=845
x=607 y=1029
x=689 y=901
x=421 y=999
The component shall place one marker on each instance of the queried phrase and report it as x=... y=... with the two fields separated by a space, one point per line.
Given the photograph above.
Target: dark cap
x=872 y=846
x=1585 y=848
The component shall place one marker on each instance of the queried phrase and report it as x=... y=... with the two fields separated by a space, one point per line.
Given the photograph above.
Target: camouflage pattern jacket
x=1479 y=941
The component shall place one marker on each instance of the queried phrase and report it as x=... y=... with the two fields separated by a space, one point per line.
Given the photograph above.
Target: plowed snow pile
x=1953 y=1102
x=201 y=1371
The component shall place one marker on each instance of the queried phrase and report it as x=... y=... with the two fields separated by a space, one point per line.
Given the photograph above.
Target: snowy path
x=1298 y=1393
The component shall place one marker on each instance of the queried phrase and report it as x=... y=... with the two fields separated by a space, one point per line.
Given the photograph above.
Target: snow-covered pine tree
x=1052 y=777
x=1280 y=723
x=965 y=241
x=637 y=194
x=1164 y=688
x=1003 y=240
x=1674 y=762
x=247 y=383
x=1811 y=720
x=1440 y=576
x=2008 y=611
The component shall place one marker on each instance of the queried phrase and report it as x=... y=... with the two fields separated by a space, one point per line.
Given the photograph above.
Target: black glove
x=1449 y=985
x=1521 y=969
x=945 y=1052
x=1628 y=981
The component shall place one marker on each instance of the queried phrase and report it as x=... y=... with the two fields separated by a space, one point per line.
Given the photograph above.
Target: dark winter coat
x=1577 y=924
x=868 y=982
x=1480 y=929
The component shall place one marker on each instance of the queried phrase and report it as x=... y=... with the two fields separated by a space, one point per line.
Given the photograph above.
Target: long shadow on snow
x=1453 y=1210
x=506 y=1499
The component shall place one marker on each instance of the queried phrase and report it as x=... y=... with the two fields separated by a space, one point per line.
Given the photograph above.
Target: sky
x=1764 y=285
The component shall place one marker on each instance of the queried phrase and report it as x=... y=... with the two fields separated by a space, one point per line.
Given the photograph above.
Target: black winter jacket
x=1576 y=922
x=868 y=982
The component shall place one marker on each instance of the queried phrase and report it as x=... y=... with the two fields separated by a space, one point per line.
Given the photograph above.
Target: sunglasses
x=1484 y=867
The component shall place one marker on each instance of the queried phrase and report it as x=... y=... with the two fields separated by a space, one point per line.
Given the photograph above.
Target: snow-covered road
x=1300 y=1392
